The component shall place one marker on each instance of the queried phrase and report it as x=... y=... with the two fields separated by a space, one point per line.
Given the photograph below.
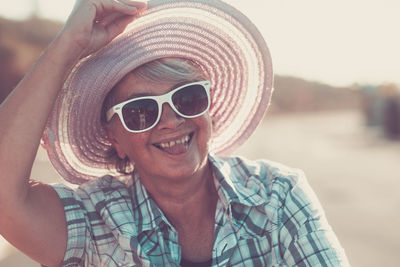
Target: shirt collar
x=147 y=215
x=235 y=184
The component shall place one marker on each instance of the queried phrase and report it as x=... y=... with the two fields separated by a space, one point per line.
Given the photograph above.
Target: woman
x=137 y=120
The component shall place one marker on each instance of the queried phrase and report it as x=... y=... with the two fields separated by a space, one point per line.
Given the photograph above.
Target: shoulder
x=104 y=204
x=104 y=186
x=266 y=173
x=97 y=213
x=93 y=194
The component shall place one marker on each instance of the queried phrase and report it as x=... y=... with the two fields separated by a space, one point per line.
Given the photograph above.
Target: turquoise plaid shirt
x=267 y=215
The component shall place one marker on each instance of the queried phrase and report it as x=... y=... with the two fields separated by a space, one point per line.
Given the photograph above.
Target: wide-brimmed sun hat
x=215 y=35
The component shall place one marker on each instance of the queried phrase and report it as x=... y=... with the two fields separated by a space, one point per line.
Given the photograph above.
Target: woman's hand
x=94 y=23
x=32 y=215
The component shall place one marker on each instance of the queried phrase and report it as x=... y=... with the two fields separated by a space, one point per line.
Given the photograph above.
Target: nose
x=169 y=118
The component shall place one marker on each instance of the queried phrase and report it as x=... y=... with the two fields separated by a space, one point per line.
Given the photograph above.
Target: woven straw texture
x=218 y=37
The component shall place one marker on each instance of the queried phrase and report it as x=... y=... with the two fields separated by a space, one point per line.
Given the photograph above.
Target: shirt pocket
x=251 y=251
x=119 y=258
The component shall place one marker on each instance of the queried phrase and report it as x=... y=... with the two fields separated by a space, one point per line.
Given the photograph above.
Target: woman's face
x=163 y=151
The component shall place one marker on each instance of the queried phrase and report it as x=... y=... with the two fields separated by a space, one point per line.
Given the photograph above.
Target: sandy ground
x=354 y=172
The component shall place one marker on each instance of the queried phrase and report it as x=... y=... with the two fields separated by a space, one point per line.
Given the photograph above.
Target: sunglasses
x=143 y=113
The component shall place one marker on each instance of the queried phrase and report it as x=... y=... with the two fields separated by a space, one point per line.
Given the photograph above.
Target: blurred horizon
x=22 y=42
x=340 y=43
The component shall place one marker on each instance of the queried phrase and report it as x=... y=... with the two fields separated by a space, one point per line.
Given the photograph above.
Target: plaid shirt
x=267 y=215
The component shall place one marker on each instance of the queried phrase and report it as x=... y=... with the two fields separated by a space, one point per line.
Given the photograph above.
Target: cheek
x=205 y=128
x=135 y=141
x=129 y=142
x=136 y=148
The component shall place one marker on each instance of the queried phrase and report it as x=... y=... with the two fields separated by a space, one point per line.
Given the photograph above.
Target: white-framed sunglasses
x=140 y=114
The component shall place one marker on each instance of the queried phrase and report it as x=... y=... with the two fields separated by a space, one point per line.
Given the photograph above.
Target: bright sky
x=338 y=42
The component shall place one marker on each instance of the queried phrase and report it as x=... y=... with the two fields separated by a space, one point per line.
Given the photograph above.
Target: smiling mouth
x=177 y=146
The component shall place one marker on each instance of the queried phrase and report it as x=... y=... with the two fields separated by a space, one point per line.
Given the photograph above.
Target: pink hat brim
x=219 y=38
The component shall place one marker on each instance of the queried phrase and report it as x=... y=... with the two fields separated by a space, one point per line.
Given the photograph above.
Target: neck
x=189 y=200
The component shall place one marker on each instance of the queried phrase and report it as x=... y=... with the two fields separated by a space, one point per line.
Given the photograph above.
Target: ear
x=115 y=144
x=212 y=122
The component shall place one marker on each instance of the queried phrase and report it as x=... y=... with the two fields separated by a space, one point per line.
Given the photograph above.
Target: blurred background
x=335 y=111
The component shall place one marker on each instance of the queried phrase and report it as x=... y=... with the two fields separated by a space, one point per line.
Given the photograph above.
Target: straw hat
x=219 y=38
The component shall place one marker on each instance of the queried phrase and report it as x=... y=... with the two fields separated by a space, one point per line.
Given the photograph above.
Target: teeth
x=169 y=144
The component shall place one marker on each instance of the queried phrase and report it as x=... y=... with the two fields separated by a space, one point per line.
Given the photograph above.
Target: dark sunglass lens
x=140 y=114
x=191 y=100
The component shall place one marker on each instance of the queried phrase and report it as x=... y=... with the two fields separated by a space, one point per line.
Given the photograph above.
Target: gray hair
x=170 y=70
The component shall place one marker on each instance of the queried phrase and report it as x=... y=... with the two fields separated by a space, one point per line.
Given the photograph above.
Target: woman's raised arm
x=32 y=216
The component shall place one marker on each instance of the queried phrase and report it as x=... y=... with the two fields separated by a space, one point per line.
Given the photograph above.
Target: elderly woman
x=139 y=120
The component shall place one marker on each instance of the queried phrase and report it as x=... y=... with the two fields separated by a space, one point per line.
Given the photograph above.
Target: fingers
x=140 y=5
x=108 y=11
x=118 y=6
x=110 y=19
x=94 y=23
x=115 y=15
